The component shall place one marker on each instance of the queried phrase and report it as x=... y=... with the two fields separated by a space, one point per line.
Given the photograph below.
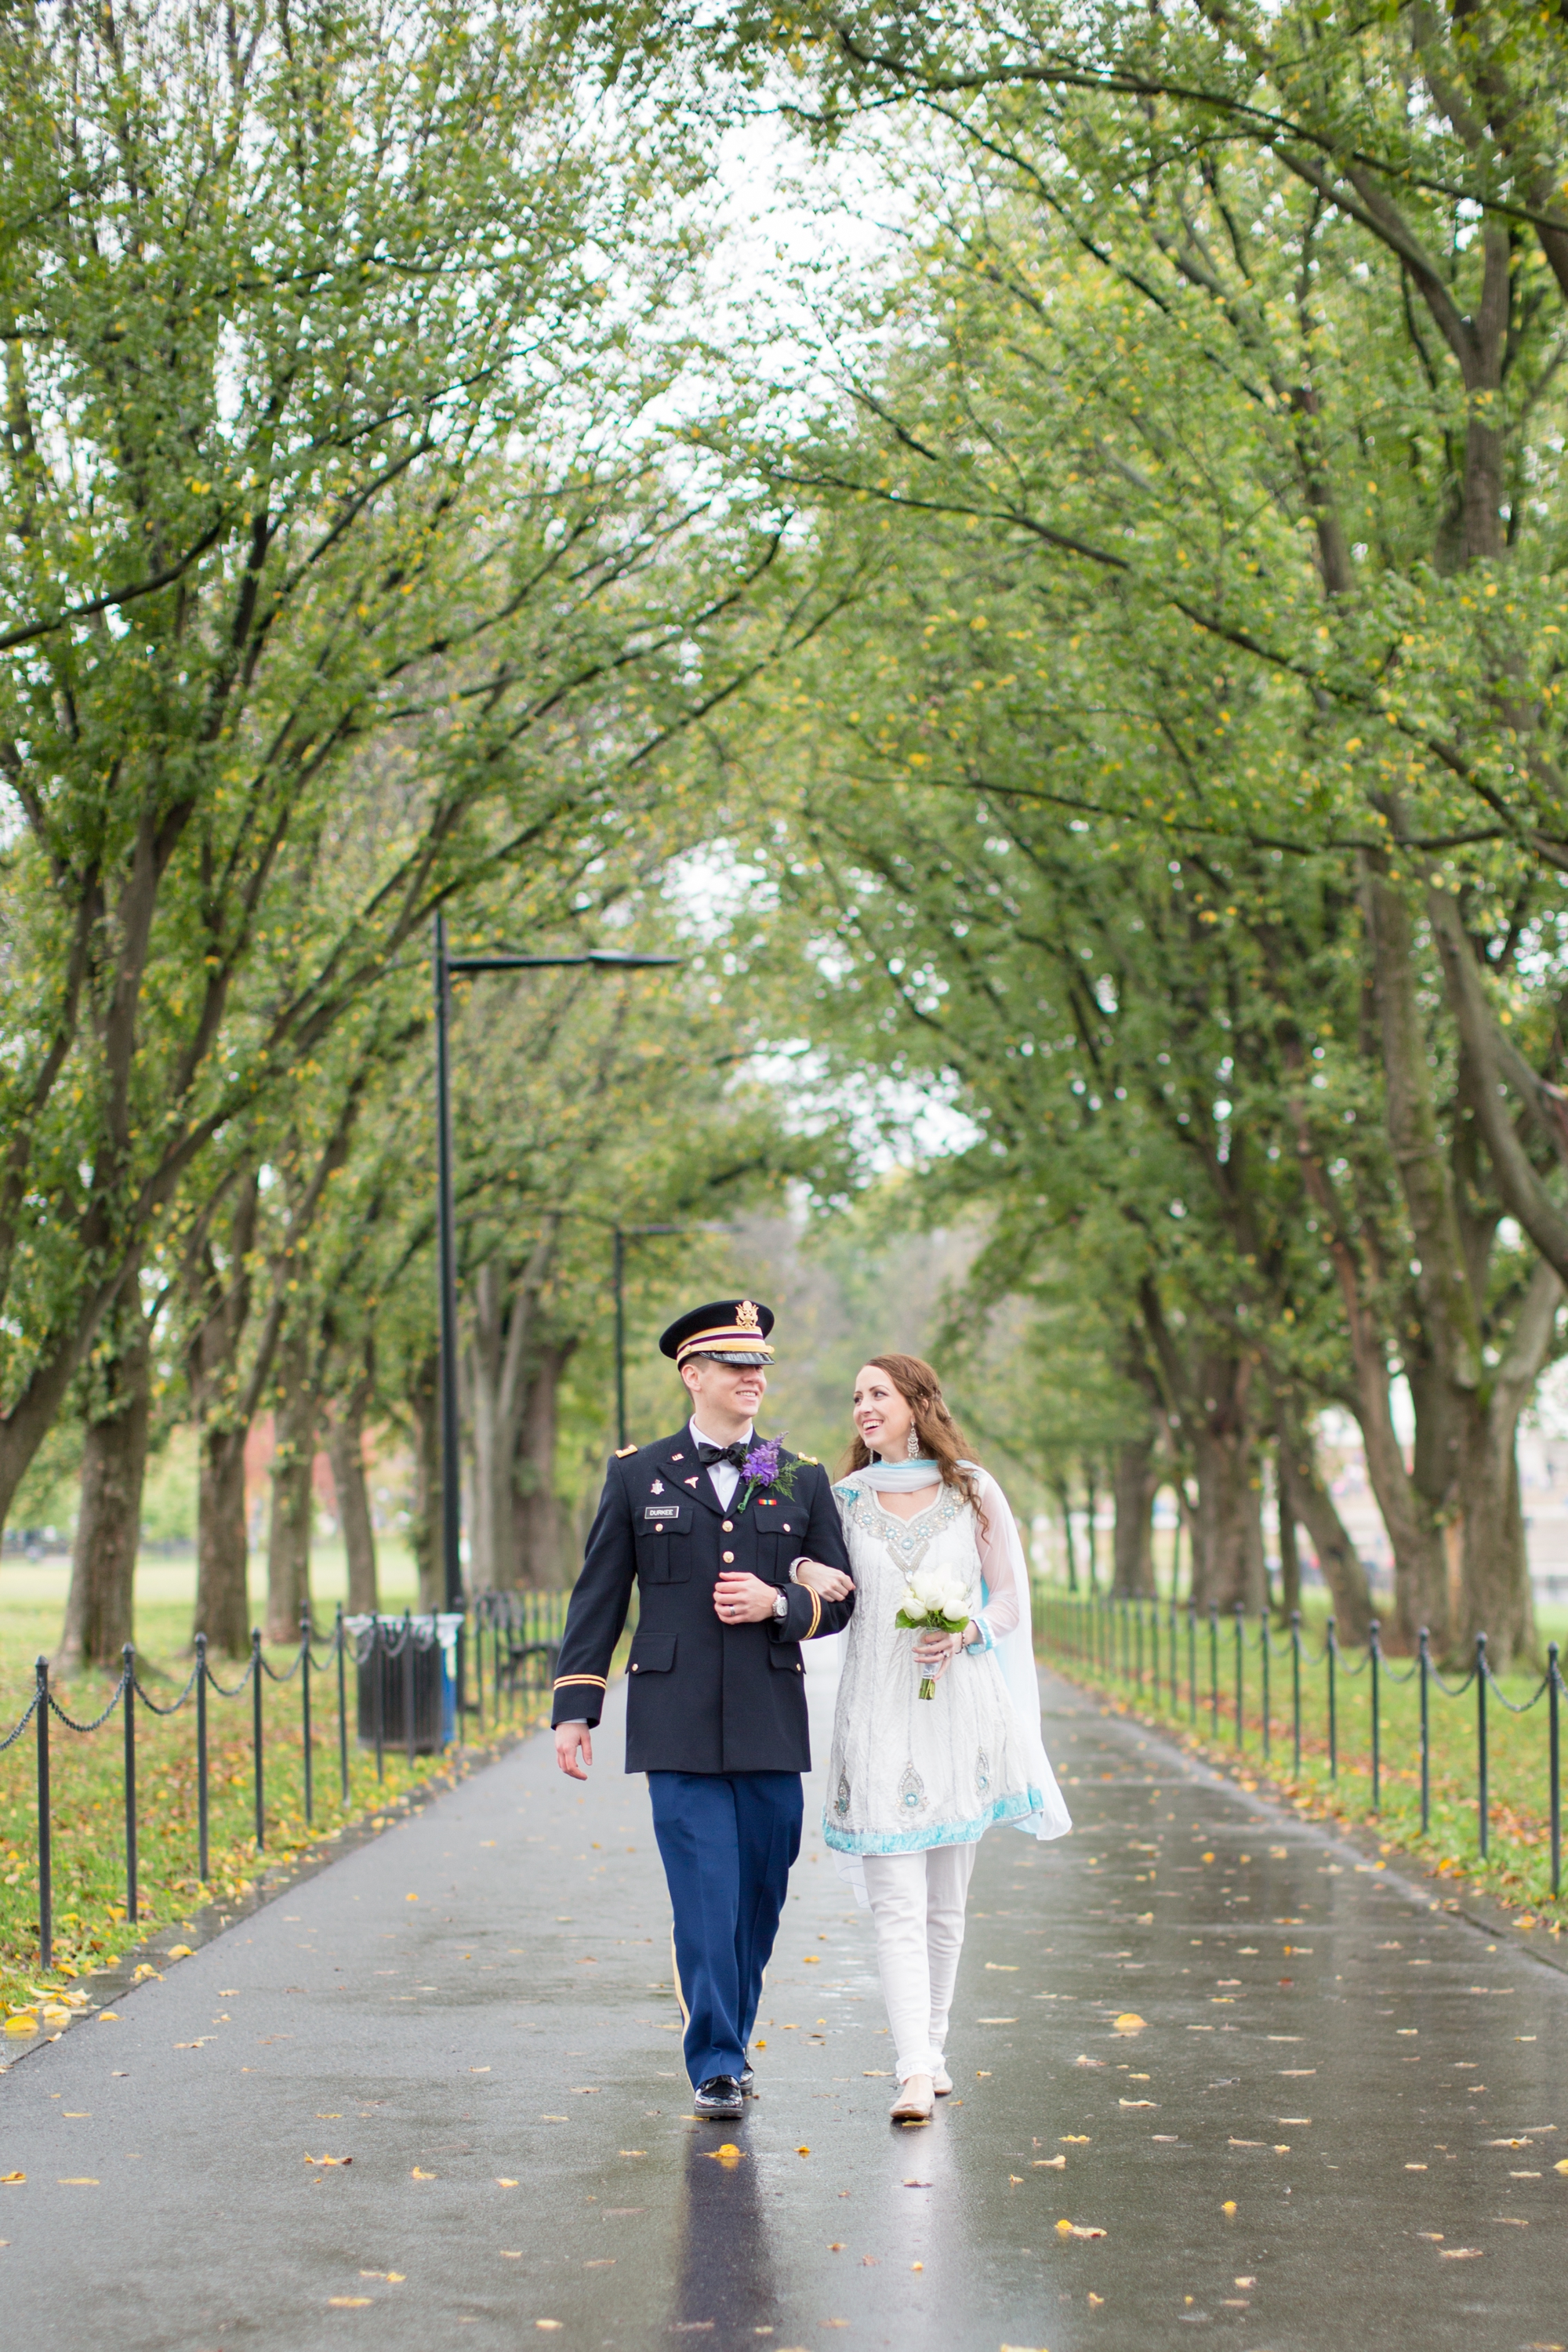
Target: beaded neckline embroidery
x=908 y=1540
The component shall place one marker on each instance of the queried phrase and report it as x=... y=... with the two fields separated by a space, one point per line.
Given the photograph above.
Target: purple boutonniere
x=764 y=1466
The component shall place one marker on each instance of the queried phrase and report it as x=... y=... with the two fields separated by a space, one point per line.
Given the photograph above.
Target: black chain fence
x=412 y=1691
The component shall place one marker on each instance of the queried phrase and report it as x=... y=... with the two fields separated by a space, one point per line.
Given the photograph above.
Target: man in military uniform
x=708 y=1525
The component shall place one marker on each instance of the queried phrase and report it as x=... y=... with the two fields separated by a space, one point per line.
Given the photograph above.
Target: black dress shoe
x=719 y=2097
x=748 y=2081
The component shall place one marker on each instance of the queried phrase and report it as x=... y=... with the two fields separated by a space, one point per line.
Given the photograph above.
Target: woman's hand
x=935 y=1653
x=828 y=1583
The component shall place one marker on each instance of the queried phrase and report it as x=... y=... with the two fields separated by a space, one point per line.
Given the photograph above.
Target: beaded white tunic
x=906 y=1773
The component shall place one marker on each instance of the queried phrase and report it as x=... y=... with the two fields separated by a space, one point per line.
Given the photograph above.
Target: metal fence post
x=1176 y=1687
x=1374 y=1658
x=1331 y=1654
x=128 y=1654
x=1138 y=1644
x=1195 y=1703
x=305 y=1707
x=1214 y=1670
x=408 y=1680
x=1155 y=1649
x=256 y=1737
x=1263 y=1657
x=1240 y=1652
x=342 y=1707
x=46 y=1851
x=1554 y=1763
x=1423 y=1668
x=1482 y=1797
x=203 y=1797
x=1296 y=1690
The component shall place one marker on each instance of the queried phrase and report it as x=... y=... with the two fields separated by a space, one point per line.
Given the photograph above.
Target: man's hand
x=569 y=1738
x=741 y=1600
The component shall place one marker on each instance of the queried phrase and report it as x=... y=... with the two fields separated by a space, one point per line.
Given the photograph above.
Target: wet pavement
x=1342 y=2114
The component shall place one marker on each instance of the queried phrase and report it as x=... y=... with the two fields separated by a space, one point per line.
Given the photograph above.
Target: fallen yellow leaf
x=1229 y=2205
x=632 y=2151
x=1049 y=2164
x=1130 y=2022
x=179 y=1952
x=109 y=2017
x=803 y=2151
x=729 y=2156
x=1075 y=2229
x=11 y=2179
x=504 y=2184
x=80 y=2182
x=417 y=2175
x=347 y=2302
x=550 y=2323
x=23 y=2023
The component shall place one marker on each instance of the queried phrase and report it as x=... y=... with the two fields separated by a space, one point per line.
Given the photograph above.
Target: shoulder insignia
x=811 y=1458
x=621 y=1452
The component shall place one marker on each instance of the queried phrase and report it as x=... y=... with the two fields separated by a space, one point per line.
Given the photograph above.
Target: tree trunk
x=538 y=1512
x=425 y=1534
x=1338 y=1559
x=1137 y=1481
x=1091 y=1513
x=497 y=1363
x=345 y=1450
x=1063 y=1493
x=1289 y=1552
x=1496 y=1593
x=223 y=1602
x=293 y=1460
x=1227 y=1535
x=100 y=1606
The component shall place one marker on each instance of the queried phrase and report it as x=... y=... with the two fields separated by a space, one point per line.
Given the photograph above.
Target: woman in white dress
x=914 y=1783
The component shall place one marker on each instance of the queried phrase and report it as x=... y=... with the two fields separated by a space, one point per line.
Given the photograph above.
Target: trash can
x=413 y=1660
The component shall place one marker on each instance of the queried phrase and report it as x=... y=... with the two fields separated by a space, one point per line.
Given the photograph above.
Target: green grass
x=1516 y=1868
x=87 y=1777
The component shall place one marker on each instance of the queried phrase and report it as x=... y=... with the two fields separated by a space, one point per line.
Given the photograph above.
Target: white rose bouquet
x=935 y=1602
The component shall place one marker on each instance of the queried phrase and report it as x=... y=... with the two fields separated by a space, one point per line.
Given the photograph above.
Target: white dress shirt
x=724 y=1474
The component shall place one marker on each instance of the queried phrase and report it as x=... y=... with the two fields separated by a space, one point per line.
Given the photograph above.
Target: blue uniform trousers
x=728 y=1841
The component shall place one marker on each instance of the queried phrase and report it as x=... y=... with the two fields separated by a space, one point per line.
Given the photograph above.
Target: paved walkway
x=1341 y=2119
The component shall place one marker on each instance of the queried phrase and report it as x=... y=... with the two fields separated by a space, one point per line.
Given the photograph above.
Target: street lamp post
x=624 y=1234
x=603 y=958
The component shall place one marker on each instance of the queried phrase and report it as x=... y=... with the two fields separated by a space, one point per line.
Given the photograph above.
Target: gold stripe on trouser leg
x=675 y=1975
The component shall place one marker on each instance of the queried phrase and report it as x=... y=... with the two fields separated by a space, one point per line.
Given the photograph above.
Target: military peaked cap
x=727 y=1331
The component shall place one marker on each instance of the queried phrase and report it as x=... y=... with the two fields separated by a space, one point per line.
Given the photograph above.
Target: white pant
x=917 y=1906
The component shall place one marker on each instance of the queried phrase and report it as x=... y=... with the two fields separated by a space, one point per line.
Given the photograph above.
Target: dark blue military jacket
x=703 y=1696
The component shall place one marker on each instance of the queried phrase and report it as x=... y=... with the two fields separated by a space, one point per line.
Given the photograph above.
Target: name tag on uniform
x=661 y=1510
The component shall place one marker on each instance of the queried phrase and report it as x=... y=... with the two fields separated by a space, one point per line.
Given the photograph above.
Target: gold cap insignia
x=746 y=1317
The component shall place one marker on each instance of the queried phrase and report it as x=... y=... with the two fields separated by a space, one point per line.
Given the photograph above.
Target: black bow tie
x=707 y=1455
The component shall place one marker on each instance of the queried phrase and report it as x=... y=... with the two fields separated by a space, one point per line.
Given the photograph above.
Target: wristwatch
x=781 y=1607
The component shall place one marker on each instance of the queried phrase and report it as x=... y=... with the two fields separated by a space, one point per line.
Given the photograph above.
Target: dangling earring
x=912 y=1445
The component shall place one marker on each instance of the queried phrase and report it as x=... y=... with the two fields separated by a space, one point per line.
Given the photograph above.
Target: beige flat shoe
x=941 y=2082
x=914 y=2101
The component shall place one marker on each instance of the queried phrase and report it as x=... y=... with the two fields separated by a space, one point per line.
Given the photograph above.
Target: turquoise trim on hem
x=987 y=1639
x=1005 y=1809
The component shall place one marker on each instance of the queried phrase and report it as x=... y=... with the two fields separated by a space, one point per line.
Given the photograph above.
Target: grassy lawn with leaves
x=1515 y=1870
x=91 y=1930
